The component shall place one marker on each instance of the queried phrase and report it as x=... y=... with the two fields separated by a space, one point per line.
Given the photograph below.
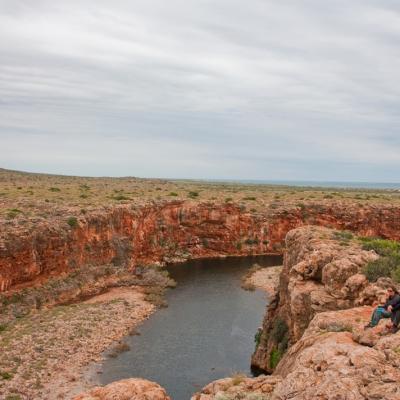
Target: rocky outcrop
x=331 y=361
x=165 y=232
x=321 y=272
x=313 y=337
x=239 y=388
x=127 y=389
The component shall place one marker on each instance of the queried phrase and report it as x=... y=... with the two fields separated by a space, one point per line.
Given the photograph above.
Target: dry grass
x=25 y=195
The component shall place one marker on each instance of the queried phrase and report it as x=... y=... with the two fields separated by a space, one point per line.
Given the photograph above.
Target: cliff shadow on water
x=206 y=333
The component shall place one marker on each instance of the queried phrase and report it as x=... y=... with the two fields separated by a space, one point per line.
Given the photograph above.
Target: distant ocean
x=324 y=184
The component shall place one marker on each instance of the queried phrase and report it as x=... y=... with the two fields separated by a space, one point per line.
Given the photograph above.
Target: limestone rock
x=239 y=387
x=320 y=273
x=327 y=363
x=127 y=389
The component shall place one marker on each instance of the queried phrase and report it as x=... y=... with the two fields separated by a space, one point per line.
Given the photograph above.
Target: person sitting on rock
x=390 y=309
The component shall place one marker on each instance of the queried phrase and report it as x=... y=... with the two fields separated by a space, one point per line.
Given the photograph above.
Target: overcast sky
x=301 y=89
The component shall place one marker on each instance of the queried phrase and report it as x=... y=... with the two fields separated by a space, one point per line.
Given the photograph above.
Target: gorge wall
x=170 y=231
x=313 y=339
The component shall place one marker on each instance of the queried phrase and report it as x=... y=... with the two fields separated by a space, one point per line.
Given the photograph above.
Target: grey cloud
x=290 y=90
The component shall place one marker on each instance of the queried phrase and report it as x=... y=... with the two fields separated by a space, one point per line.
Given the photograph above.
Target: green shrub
x=13 y=397
x=173 y=194
x=121 y=197
x=343 y=235
x=279 y=330
x=6 y=375
x=388 y=265
x=251 y=242
x=382 y=247
x=396 y=274
x=72 y=222
x=274 y=358
x=13 y=212
x=383 y=267
x=250 y=198
x=55 y=189
x=193 y=195
x=280 y=336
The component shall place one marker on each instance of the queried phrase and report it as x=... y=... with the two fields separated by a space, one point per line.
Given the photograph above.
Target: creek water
x=206 y=333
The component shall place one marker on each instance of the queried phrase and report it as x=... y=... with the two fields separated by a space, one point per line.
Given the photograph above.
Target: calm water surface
x=206 y=333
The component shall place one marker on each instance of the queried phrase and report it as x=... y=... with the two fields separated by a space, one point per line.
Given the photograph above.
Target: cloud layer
x=300 y=89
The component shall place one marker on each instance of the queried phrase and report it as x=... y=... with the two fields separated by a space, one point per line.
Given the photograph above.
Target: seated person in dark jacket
x=391 y=309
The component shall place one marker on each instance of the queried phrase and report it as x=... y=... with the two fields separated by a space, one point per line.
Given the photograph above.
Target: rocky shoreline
x=45 y=354
x=46 y=350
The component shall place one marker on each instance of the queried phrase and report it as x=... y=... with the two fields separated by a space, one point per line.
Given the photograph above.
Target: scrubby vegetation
x=72 y=222
x=388 y=264
x=45 y=196
x=279 y=336
x=80 y=284
x=336 y=327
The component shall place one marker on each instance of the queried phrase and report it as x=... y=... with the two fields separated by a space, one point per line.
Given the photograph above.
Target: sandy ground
x=266 y=279
x=48 y=355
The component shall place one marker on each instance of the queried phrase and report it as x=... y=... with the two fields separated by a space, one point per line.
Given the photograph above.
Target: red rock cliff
x=170 y=231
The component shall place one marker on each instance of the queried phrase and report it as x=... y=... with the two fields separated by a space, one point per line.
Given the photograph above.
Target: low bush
x=121 y=197
x=237 y=378
x=6 y=375
x=279 y=335
x=257 y=337
x=72 y=222
x=388 y=265
x=274 y=358
x=382 y=247
x=13 y=212
x=383 y=267
x=343 y=235
x=279 y=330
x=13 y=397
x=193 y=195
x=336 y=327
x=251 y=241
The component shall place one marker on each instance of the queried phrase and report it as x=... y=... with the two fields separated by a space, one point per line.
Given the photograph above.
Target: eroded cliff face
x=173 y=231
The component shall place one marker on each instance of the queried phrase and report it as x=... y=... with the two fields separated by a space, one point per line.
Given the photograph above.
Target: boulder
x=126 y=389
